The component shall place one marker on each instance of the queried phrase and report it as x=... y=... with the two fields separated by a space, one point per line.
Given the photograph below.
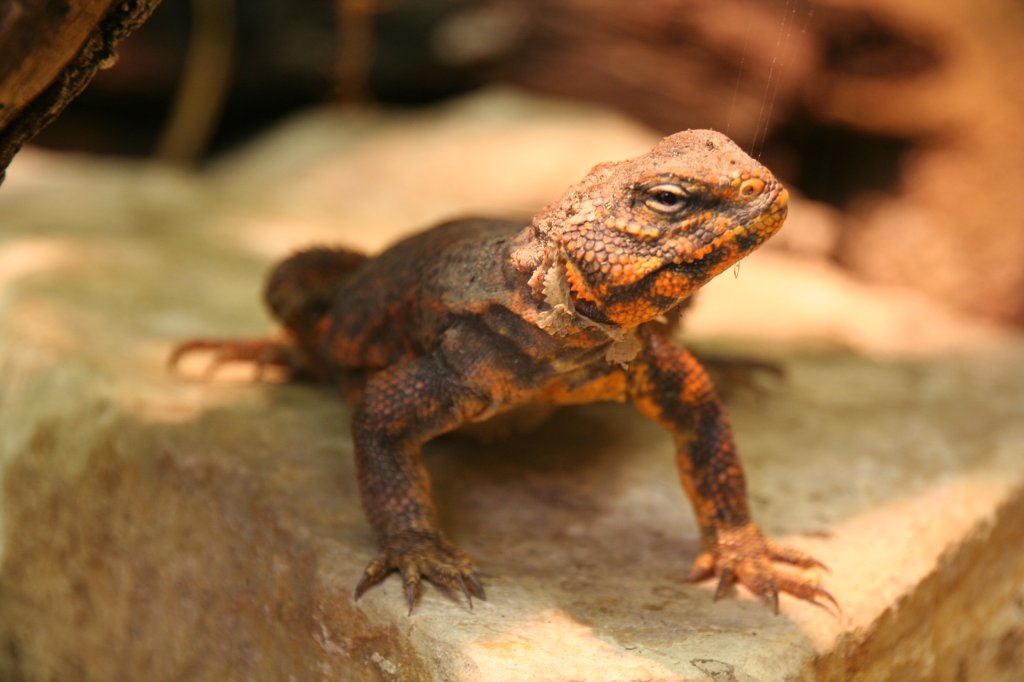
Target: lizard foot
x=745 y=556
x=262 y=353
x=422 y=554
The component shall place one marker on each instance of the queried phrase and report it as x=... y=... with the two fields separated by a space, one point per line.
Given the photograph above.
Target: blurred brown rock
x=901 y=115
x=904 y=114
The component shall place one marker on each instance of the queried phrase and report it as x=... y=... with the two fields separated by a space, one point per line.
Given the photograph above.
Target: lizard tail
x=300 y=290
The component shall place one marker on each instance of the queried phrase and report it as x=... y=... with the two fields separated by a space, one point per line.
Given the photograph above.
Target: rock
x=157 y=527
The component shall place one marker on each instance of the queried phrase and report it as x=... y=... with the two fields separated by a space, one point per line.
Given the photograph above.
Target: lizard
x=476 y=316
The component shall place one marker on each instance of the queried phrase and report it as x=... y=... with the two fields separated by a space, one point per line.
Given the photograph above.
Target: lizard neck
x=561 y=311
x=552 y=279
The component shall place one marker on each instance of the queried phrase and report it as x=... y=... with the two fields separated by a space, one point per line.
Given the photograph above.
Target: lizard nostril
x=782 y=200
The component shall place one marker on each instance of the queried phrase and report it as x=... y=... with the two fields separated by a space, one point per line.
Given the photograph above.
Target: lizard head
x=639 y=236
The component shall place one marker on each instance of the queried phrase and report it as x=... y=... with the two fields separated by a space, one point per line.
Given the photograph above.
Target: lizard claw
x=475 y=586
x=794 y=556
x=725 y=578
x=465 y=591
x=418 y=555
x=743 y=555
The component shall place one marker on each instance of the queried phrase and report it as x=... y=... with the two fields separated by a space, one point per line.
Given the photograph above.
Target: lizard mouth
x=746 y=235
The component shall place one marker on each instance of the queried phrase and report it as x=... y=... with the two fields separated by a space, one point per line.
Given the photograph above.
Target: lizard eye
x=665 y=198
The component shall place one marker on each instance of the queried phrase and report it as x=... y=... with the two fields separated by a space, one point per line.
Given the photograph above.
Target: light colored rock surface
x=158 y=528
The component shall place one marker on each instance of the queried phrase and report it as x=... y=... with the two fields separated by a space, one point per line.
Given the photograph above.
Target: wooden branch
x=48 y=54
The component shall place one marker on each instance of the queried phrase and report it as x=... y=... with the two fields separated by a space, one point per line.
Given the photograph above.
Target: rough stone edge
x=950 y=622
x=352 y=646
x=119 y=22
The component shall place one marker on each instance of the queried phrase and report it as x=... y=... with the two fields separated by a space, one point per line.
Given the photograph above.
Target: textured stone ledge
x=157 y=528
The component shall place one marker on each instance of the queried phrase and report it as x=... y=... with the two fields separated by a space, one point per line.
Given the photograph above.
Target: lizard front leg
x=402 y=407
x=670 y=386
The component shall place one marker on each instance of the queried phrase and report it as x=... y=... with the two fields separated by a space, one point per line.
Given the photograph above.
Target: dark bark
x=49 y=51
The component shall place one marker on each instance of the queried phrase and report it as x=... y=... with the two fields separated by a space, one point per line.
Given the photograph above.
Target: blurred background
x=197 y=530
x=899 y=119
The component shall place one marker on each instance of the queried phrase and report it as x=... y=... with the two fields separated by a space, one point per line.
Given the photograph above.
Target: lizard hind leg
x=278 y=355
x=300 y=289
x=299 y=292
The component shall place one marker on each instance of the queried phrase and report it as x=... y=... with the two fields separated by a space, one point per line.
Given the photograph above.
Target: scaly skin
x=474 y=317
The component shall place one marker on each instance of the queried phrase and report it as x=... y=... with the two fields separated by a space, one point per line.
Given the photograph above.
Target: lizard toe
x=262 y=354
x=743 y=555
x=418 y=556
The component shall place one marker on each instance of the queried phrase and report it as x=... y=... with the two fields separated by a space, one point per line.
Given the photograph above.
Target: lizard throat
x=563 y=316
